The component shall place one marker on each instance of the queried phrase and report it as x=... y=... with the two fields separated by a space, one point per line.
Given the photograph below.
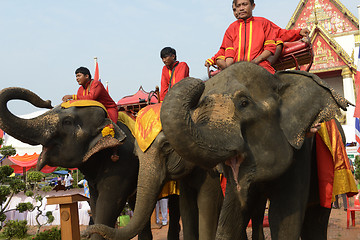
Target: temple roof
x=328 y=54
x=332 y=15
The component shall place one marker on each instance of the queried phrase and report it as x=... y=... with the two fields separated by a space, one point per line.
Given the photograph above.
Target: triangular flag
x=96 y=75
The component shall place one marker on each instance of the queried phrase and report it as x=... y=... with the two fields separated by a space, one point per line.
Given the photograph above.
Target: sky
x=43 y=42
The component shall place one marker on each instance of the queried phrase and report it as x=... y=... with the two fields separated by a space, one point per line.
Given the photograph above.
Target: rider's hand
x=304 y=32
x=67 y=98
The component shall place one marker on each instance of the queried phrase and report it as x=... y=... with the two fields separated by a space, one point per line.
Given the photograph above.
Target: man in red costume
x=172 y=72
x=252 y=39
x=93 y=90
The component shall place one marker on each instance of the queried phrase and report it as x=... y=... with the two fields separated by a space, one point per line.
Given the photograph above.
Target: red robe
x=282 y=35
x=181 y=71
x=94 y=90
x=246 y=40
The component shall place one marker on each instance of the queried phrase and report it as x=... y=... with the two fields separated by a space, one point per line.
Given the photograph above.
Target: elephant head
x=247 y=118
x=157 y=165
x=69 y=136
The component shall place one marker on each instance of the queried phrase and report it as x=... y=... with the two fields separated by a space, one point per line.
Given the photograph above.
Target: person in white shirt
x=68 y=181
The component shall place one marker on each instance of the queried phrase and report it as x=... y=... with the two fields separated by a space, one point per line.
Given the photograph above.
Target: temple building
x=335 y=40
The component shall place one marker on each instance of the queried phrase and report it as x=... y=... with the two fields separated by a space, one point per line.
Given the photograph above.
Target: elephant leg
x=209 y=202
x=189 y=211
x=145 y=234
x=257 y=218
x=315 y=223
x=174 y=217
x=289 y=197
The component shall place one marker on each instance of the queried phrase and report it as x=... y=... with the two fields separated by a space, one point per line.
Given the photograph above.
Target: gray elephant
x=200 y=193
x=254 y=124
x=72 y=138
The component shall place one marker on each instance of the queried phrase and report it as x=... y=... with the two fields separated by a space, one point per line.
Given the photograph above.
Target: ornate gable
x=328 y=54
x=331 y=15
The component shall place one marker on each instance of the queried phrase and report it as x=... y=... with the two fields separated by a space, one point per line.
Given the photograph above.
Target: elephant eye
x=244 y=103
x=67 y=122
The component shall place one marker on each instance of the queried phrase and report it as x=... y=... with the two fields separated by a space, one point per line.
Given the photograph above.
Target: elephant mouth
x=234 y=163
x=45 y=157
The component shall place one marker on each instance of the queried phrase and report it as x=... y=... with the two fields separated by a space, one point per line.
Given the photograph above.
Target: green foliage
x=29 y=193
x=4 y=193
x=49 y=216
x=53 y=234
x=35 y=176
x=7 y=151
x=46 y=188
x=357 y=167
x=22 y=207
x=16 y=229
x=2 y=217
x=17 y=185
x=5 y=171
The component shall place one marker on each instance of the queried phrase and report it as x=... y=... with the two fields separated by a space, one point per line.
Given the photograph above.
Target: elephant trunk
x=32 y=131
x=200 y=131
x=150 y=181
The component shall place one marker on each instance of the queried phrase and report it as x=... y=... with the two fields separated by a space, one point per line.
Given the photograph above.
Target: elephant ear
x=305 y=100
x=100 y=143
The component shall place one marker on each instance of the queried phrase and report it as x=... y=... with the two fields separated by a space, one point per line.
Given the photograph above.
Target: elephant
x=253 y=124
x=72 y=138
x=200 y=193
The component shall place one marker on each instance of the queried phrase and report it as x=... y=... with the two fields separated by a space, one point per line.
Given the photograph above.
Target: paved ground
x=337 y=228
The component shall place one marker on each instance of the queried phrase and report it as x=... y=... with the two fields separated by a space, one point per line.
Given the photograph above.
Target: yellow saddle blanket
x=83 y=103
x=147 y=125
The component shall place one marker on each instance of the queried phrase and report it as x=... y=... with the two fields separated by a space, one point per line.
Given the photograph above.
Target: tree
x=6 y=151
x=8 y=185
x=34 y=177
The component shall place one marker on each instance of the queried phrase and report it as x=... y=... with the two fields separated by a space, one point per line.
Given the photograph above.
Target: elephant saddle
x=147 y=125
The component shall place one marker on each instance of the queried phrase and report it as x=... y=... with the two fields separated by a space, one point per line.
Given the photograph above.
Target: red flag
x=96 y=75
x=357 y=87
x=1 y=134
x=107 y=87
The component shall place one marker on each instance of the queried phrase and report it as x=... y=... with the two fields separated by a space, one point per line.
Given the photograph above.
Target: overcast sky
x=43 y=42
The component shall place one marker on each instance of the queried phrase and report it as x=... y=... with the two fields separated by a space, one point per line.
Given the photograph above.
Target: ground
x=337 y=228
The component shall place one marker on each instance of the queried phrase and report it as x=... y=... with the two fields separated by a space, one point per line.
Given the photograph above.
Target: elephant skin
x=72 y=138
x=200 y=192
x=254 y=124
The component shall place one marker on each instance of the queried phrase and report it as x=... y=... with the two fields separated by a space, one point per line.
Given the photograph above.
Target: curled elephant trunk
x=32 y=131
x=150 y=181
x=200 y=127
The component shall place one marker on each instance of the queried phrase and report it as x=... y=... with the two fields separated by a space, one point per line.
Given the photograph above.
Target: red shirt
x=219 y=55
x=181 y=71
x=246 y=40
x=284 y=35
x=94 y=90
